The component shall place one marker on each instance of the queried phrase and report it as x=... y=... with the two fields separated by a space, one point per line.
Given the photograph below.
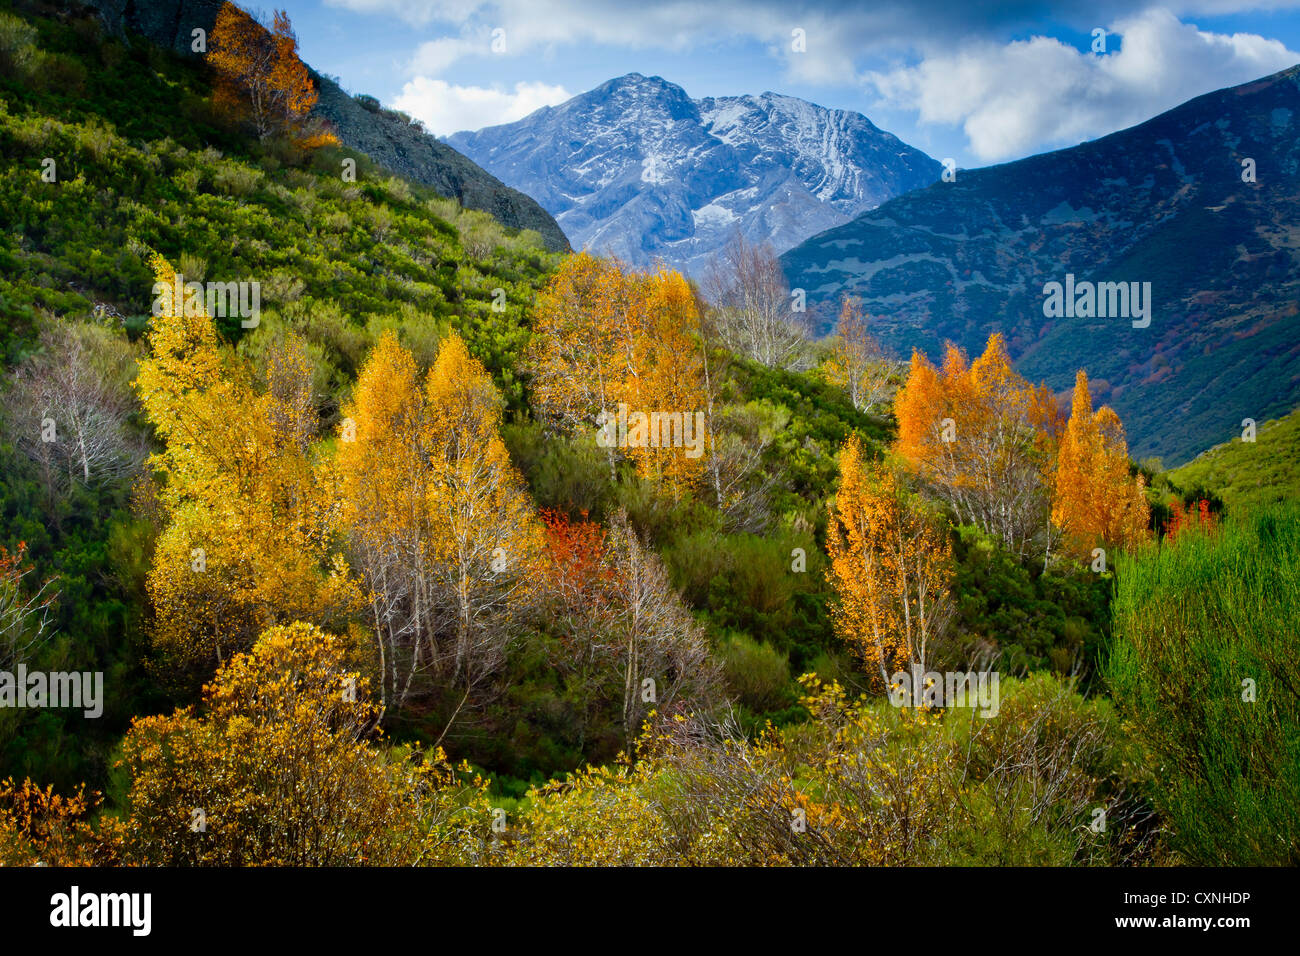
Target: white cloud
x=1021 y=97
x=445 y=108
x=956 y=68
x=435 y=56
x=835 y=28
x=837 y=31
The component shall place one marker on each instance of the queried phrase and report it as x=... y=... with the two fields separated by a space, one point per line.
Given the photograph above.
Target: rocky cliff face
x=168 y=23
x=1201 y=202
x=638 y=169
x=414 y=154
x=387 y=139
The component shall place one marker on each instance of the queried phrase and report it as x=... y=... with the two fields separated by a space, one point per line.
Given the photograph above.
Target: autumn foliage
x=997 y=451
x=1183 y=520
x=341 y=556
x=279 y=769
x=891 y=567
x=39 y=827
x=260 y=75
x=1097 y=501
x=440 y=523
x=624 y=631
x=605 y=335
x=981 y=436
x=249 y=536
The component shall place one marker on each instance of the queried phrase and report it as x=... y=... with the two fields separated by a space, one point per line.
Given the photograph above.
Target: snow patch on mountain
x=638 y=169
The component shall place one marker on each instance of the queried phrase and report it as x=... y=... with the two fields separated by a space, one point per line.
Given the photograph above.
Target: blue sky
x=978 y=81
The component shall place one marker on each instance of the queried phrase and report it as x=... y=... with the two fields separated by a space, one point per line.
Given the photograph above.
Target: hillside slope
x=386 y=137
x=142 y=163
x=1249 y=475
x=1163 y=202
x=638 y=169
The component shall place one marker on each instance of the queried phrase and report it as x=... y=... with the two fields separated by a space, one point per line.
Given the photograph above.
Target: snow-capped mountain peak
x=638 y=169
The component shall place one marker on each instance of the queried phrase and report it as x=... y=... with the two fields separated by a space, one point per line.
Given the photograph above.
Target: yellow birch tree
x=248 y=523
x=890 y=566
x=440 y=521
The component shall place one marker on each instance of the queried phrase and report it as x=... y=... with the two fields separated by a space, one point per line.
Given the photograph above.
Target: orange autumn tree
x=1096 y=500
x=260 y=75
x=607 y=336
x=983 y=438
x=891 y=568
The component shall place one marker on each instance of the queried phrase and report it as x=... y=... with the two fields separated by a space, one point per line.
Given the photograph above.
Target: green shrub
x=569 y=475
x=17 y=46
x=757 y=675
x=59 y=73
x=236 y=179
x=748 y=583
x=1204 y=664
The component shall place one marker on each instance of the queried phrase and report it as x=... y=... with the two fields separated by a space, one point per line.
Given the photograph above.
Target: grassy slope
x=1250 y=475
x=1204 y=666
x=142 y=162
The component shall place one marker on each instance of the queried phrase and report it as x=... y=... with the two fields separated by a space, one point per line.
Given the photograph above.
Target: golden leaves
x=987 y=441
x=606 y=336
x=983 y=438
x=890 y=567
x=277 y=770
x=259 y=72
x=1096 y=500
x=439 y=518
x=247 y=540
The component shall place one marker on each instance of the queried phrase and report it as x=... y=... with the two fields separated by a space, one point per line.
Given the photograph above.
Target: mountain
x=1163 y=202
x=387 y=137
x=638 y=169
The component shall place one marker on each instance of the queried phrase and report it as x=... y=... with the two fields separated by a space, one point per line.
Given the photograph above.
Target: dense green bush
x=1204 y=665
x=757 y=674
x=1029 y=617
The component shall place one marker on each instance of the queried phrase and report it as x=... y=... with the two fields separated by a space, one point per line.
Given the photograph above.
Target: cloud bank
x=950 y=63
x=445 y=108
x=1020 y=97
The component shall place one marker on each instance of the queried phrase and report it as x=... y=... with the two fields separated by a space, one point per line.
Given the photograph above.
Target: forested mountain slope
x=1200 y=202
x=390 y=138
